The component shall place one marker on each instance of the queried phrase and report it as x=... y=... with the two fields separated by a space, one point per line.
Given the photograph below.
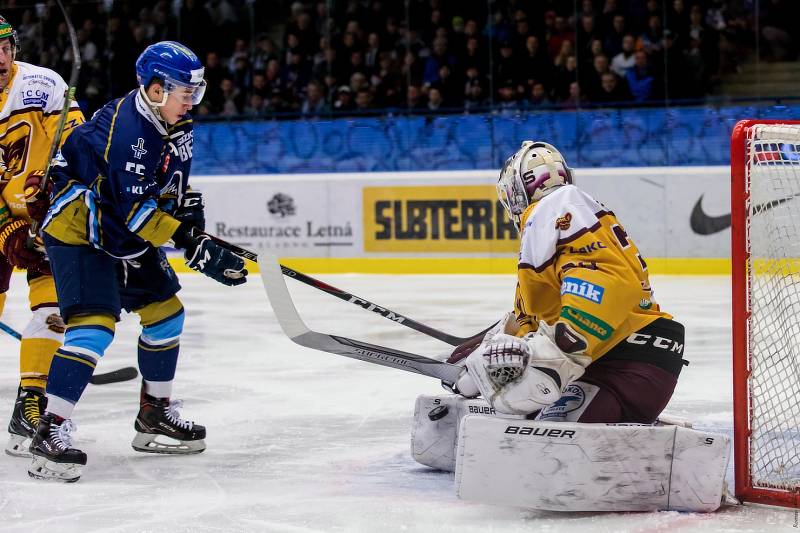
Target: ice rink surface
x=304 y=441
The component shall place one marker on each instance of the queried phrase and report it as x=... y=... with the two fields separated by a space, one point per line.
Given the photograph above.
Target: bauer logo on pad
x=584 y=289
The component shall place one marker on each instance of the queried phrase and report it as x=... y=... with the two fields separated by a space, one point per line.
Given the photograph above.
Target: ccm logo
x=541 y=432
x=369 y=306
x=657 y=342
x=136 y=168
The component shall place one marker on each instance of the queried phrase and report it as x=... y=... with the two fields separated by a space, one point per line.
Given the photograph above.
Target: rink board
x=451 y=222
x=477 y=265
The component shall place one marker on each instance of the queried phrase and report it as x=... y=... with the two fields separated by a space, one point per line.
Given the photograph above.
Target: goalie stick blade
x=294 y=327
x=115 y=376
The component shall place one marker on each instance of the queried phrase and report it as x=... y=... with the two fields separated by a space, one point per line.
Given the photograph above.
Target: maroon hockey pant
x=629 y=391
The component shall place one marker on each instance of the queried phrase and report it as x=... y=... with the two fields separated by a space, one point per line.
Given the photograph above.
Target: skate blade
x=41 y=468
x=149 y=443
x=18 y=446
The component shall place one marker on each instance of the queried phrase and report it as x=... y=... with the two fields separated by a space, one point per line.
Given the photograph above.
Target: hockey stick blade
x=126 y=373
x=349 y=297
x=294 y=327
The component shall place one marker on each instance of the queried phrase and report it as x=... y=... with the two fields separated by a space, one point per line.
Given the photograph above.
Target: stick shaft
x=347 y=296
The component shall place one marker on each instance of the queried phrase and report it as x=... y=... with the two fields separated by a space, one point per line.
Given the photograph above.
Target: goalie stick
x=349 y=297
x=125 y=373
x=294 y=327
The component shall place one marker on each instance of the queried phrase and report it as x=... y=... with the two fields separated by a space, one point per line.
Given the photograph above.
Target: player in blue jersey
x=120 y=192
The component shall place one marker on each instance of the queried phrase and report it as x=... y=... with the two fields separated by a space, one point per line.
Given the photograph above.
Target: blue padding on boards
x=656 y=136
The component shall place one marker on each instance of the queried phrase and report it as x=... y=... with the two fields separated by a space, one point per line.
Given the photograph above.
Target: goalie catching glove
x=204 y=255
x=465 y=385
x=519 y=376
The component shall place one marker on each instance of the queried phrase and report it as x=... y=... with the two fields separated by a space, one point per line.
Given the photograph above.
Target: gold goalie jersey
x=30 y=108
x=578 y=265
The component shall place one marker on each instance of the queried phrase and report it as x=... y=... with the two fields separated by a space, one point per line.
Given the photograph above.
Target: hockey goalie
x=574 y=380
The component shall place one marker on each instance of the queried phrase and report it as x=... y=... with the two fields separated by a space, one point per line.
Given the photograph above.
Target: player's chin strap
x=155 y=107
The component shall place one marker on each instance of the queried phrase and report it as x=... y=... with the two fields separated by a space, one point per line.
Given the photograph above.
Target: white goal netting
x=773 y=274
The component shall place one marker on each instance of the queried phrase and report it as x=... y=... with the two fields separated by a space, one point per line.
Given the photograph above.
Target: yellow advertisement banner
x=437 y=219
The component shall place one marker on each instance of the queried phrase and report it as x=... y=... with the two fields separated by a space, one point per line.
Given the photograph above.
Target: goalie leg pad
x=565 y=466
x=435 y=430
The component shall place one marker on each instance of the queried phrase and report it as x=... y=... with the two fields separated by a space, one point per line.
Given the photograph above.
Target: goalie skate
x=28 y=407
x=160 y=429
x=53 y=458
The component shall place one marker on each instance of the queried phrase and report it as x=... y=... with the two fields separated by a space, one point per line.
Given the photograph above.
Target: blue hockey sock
x=73 y=365
x=69 y=374
x=158 y=352
x=156 y=362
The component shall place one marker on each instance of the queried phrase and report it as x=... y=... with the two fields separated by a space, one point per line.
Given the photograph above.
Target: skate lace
x=30 y=409
x=63 y=433
x=175 y=417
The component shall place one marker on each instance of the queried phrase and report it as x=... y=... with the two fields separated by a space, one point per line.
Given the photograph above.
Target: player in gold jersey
x=587 y=341
x=31 y=101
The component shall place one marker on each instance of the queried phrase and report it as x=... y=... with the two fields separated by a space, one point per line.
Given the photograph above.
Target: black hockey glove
x=203 y=255
x=192 y=209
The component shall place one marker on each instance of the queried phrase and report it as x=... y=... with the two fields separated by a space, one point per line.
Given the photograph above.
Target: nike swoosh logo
x=703 y=224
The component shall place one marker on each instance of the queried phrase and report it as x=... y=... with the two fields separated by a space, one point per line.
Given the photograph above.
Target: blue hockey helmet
x=174 y=65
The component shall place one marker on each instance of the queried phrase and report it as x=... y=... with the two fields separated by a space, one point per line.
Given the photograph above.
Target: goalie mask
x=534 y=171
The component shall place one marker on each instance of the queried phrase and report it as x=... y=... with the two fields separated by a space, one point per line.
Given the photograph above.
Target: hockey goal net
x=765 y=211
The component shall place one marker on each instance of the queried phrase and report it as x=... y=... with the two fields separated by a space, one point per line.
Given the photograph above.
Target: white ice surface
x=303 y=441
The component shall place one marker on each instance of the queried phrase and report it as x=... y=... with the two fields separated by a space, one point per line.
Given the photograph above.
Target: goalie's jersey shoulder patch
x=559 y=218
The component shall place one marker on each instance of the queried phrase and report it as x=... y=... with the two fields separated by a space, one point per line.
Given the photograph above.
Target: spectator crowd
x=272 y=58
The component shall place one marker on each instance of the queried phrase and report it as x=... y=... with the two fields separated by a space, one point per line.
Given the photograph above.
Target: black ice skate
x=52 y=456
x=159 y=428
x=28 y=407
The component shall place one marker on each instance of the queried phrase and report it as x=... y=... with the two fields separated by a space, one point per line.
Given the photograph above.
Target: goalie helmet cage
x=765 y=252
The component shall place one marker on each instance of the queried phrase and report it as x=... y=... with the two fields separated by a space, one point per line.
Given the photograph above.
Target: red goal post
x=765 y=253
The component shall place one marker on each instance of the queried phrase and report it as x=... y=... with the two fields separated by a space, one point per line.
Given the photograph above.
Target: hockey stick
x=69 y=96
x=296 y=329
x=126 y=373
x=349 y=297
x=115 y=376
x=11 y=331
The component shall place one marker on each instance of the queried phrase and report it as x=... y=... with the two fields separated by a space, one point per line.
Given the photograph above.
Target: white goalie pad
x=435 y=430
x=563 y=466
